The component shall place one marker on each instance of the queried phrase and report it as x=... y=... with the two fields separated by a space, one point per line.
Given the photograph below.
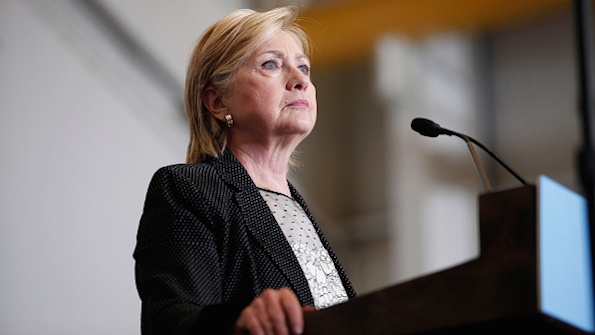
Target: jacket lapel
x=263 y=227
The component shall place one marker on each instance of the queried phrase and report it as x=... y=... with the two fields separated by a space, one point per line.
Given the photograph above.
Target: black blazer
x=207 y=245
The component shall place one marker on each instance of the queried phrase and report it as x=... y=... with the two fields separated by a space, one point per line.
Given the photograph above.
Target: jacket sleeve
x=178 y=271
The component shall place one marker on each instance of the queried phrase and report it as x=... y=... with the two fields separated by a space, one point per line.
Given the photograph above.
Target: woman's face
x=272 y=95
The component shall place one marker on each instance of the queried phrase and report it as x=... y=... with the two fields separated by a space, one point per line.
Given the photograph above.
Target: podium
x=499 y=292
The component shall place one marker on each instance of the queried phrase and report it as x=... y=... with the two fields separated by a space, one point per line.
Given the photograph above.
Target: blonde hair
x=220 y=51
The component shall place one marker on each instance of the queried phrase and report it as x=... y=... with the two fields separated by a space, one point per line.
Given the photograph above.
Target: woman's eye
x=305 y=69
x=270 y=64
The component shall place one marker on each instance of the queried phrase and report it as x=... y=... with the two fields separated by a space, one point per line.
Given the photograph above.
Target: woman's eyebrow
x=281 y=54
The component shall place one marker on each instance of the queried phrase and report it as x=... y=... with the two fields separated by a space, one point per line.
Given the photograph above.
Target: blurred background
x=91 y=106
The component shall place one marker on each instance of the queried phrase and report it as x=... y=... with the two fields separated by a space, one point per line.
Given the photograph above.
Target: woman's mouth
x=299 y=103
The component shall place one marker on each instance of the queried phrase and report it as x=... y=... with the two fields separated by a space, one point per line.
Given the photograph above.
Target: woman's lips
x=299 y=103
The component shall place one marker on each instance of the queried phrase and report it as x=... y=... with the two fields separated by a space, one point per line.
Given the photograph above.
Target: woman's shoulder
x=190 y=181
x=187 y=169
x=190 y=172
x=216 y=174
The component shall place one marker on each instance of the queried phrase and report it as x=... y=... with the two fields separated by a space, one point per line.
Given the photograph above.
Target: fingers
x=248 y=321
x=274 y=312
x=292 y=309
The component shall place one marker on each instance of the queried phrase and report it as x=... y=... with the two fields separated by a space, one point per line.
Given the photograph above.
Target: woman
x=225 y=243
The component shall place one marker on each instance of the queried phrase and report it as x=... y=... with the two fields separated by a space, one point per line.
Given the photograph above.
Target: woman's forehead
x=278 y=43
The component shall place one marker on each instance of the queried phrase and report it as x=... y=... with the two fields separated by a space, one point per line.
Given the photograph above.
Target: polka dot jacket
x=207 y=244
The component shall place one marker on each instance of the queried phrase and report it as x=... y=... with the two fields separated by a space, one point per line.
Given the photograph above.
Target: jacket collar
x=232 y=171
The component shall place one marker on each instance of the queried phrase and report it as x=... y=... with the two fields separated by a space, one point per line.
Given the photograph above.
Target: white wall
x=77 y=149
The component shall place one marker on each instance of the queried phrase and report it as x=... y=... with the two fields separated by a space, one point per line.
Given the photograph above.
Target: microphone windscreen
x=426 y=127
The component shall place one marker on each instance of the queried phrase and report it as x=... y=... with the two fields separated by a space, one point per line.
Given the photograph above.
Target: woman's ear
x=214 y=103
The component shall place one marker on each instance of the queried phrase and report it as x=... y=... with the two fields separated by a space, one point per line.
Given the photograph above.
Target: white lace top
x=323 y=279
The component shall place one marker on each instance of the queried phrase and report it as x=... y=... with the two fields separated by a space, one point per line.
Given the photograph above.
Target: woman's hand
x=276 y=312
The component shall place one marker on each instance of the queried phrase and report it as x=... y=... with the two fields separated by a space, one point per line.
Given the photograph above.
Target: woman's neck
x=267 y=168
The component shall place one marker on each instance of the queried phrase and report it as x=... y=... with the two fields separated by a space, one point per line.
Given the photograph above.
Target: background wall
x=85 y=121
x=535 y=113
x=82 y=130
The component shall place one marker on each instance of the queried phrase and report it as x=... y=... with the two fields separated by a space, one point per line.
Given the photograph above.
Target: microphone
x=431 y=129
x=428 y=128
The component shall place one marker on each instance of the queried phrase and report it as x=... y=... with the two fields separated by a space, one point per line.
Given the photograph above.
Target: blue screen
x=566 y=290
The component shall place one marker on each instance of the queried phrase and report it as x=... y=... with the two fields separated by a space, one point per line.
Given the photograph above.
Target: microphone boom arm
x=480 y=170
x=469 y=138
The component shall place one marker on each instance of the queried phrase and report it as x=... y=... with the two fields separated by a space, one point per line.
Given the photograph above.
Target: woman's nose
x=298 y=80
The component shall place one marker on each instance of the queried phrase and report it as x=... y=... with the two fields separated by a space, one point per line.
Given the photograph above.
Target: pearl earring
x=229 y=120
